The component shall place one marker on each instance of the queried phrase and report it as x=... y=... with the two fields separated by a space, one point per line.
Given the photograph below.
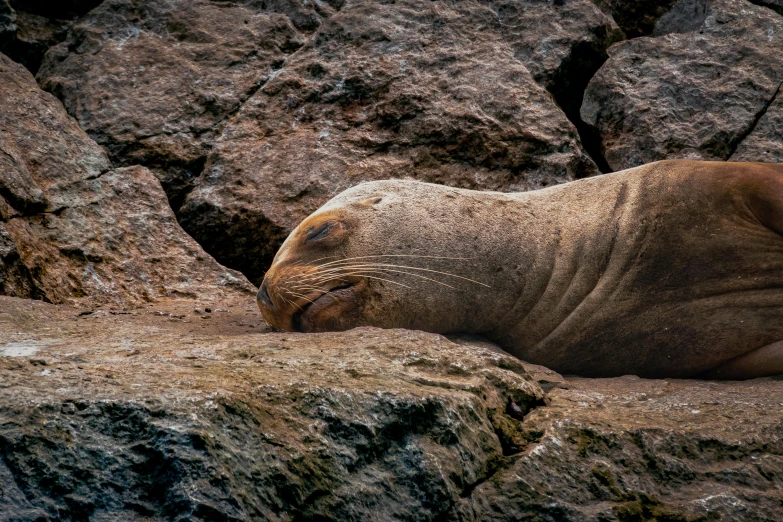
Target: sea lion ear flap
x=370 y=202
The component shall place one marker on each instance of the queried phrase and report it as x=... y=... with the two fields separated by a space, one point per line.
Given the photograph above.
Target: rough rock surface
x=448 y=93
x=29 y=27
x=151 y=81
x=694 y=90
x=160 y=413
x=71 y=227
x=765 y=141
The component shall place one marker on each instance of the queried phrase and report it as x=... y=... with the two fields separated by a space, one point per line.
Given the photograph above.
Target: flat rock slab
x=170 y=412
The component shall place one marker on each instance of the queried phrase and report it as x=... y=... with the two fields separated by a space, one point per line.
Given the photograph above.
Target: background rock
x=28 y=28
x=694 y=91
x=162 y=414
x=765 y=141
x=448 y=93
x=152 y=81
x=71 y=227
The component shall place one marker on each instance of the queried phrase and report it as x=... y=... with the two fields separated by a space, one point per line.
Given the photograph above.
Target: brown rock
x=70 y=227
x=633 y=449
x=152 y=81
x=28 y=28
x=412 y=89
x=156 y=414
x=694 y=91
x=765 y=141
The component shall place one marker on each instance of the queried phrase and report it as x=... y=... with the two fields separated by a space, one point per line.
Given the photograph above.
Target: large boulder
x=71 y=227
x=152 y=81
x=453 y=93
x=693 y=90
x=165 y=414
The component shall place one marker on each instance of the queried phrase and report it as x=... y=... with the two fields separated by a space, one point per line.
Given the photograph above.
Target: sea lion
x=672 y=269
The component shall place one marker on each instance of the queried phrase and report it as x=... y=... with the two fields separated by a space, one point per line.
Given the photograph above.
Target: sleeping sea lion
x=672 y=269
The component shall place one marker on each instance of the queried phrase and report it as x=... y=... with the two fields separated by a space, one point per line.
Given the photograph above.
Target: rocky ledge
x=172 y=412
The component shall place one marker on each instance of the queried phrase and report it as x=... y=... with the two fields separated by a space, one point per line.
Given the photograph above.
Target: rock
x=73 y=228
x=156 y=414
x=448 y=93
x=775 y=5
x=636 y=18
x=694 y=91
x=765 y=141
x=633 y=449
x=7 y=23
x=29 y=28
x=152 y=81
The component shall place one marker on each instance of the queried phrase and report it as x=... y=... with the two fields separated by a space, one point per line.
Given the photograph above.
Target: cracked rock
x=152 y=81
x=765 y=142
x=71 y=228
x=695 y=90
x=150 y=416
x=453 y=93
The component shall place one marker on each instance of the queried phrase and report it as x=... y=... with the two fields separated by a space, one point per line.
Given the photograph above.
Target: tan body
x=670 y=269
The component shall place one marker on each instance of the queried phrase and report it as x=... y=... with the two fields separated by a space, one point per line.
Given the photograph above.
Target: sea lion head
x=391 y=254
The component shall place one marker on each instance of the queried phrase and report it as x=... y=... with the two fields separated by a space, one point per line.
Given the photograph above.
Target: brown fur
x=670 y=269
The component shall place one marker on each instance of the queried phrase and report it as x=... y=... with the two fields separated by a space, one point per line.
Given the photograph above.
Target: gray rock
x=765 y=141
x=695 y=91
x=636 y=18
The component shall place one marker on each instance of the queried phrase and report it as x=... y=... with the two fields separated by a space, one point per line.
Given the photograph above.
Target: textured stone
x=449 y=93
x=152 y=81
x=29 y=28
x=73 y=228
x=161 y=413
x=765 y=141
x=629 y=449
x=693 y=91
x=636 y=18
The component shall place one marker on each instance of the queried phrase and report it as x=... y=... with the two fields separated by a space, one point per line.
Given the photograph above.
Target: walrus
x=671 y=269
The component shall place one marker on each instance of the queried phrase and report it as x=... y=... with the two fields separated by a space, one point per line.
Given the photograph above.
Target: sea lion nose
x=263 y=296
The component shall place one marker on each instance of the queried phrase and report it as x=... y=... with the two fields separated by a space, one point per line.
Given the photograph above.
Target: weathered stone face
x=71 y=227
x=695 y=90
x=176 y=70
x=765 y=141
x=163 y=413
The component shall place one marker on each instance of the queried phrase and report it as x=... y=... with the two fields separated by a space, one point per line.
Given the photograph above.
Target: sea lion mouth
x=305 y=319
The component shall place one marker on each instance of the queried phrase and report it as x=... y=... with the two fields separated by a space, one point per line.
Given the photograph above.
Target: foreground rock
x=72 y=228
x=166 y=413
x=695 y=91
x=152 y=81
x=448 y=93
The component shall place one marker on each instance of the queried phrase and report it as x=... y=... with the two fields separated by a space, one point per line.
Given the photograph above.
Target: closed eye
x=316 y=233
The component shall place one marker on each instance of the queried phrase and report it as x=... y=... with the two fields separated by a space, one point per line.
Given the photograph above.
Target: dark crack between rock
x=749 y=130
x=774 y=8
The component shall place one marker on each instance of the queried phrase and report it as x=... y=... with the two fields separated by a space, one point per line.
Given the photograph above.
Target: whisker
x=362 y=274
x=376 y=265
x=391 y=255
x=373 y=270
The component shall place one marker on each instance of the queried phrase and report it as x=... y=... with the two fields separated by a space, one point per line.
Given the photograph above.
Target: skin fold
x=672 y=269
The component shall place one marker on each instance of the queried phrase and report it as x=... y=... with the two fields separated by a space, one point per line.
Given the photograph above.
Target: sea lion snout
x=263 y=296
